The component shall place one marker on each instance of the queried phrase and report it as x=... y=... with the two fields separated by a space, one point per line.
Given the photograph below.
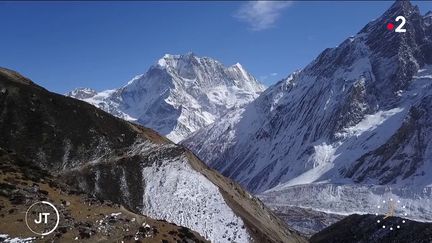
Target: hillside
x=130 y=165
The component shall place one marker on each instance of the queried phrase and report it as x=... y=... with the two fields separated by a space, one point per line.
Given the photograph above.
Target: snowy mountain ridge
x=178 y=95
x=359 y=114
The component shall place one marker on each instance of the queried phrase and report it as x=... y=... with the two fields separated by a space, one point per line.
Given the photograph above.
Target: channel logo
x=42 y=218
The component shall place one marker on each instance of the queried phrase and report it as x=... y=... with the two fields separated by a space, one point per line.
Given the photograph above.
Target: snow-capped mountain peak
x=82 y=93
x=357 y=114
x=180 y=94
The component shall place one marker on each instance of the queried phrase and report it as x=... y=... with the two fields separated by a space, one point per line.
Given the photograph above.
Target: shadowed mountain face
x=128 y=164
x=57 y=132
x=365 y=229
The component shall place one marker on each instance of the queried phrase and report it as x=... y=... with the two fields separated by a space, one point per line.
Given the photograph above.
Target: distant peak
x=238 y=65
x=162 y=62
x=82 y=93
x=401 y=6
x=177 y=56
x=85 y=89
x=402 y=3
x=398 y=8
x=167 y=57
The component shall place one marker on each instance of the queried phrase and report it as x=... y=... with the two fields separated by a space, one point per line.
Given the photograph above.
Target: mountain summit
x=178 y=95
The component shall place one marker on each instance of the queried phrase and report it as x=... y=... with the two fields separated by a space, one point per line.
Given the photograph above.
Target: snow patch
x=177 y=193
x=8 y=239
x=369 y=123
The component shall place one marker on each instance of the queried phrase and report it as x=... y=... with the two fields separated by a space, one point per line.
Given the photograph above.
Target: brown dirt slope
x=82 y=218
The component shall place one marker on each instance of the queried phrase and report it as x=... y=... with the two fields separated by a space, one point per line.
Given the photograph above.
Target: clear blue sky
x=102 y=45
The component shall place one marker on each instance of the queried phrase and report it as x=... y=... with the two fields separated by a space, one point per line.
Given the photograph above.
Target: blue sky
x=102 y=45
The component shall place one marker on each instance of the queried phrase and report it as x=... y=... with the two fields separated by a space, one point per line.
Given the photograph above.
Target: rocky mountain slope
x=83 y=218
x=178 y=95
x=359 y=114
x=363 y=229
x=128 y=164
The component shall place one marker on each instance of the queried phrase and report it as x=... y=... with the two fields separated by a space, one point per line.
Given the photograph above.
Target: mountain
x=178 y=95
x=337 y=135
x=112 y=159
x=363 y=229
x=83 y=217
